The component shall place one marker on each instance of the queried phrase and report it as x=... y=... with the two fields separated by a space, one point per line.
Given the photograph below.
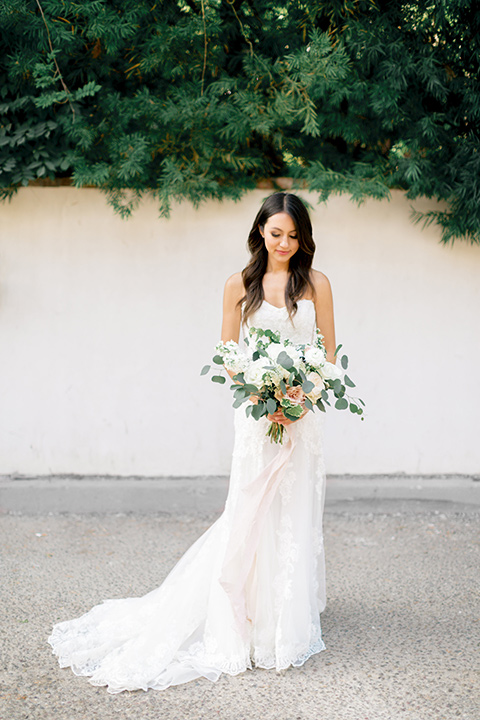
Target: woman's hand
x=280 y=418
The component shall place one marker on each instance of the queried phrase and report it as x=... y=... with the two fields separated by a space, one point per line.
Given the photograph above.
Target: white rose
x=314 y=356
x=314 y=394
x=272 y=351
x=330 y=371
x=275 y=375
x=294 y=354
x=282 y=373
x=255 y=372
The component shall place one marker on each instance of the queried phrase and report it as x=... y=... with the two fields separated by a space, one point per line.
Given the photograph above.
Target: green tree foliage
x=203 y=99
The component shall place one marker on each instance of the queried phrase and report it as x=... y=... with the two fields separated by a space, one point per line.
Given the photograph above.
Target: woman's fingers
x=279 y=417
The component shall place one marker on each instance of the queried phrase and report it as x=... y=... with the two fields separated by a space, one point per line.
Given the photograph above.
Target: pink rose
x=296 y=395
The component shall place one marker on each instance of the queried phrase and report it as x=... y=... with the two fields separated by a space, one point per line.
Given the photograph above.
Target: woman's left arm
x=324 y=312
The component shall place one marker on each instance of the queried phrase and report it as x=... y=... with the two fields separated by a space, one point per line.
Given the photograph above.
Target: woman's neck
x=276 y=268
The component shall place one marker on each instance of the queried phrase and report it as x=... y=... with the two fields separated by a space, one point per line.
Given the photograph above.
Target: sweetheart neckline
x=284 y=307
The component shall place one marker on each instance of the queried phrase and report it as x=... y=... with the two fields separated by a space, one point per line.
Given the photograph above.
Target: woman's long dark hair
x=300 y=264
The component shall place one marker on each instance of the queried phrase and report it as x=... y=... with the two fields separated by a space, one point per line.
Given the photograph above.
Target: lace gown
x=249 y=591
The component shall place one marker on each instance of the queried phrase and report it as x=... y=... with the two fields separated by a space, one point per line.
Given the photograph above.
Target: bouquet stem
x=275 y=432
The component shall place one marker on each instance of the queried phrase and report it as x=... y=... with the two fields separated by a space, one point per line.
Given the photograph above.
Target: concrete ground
x=402 y=624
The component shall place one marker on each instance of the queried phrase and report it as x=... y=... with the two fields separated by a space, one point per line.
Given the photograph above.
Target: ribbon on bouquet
x=250 y=514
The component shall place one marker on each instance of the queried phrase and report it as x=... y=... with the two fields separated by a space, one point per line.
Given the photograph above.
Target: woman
x=250 y=590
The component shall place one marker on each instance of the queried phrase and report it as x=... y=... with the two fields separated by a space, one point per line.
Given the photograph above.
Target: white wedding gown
x=249 y=591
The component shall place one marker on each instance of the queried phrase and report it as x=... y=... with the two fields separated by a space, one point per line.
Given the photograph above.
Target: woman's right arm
x=232 y=314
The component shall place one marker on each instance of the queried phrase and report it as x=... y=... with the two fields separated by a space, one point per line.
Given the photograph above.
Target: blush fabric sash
x=251 y=510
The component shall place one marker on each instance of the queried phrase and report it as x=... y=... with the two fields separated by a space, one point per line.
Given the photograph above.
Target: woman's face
x=280 y=237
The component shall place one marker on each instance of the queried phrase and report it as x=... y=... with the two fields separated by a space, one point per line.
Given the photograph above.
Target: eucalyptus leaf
x=251 y=389
x=240 y=392
x=320 y=405
x=325 y=395
x=353 y=408
x=308 y=404
x=258 y=410
x=237 y=403
x=341 y=404
x=218 y=379
x=349 y=382
x=337 y=385
x=248 y=410
x=256 y=413
x=283 y=387
x=218 y=360
x=205 y=369
x=271 y=406
x=307 y=386
x=344 y=362
x=285 y=360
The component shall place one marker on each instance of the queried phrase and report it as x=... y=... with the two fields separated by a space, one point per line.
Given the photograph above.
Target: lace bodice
x=300 y=329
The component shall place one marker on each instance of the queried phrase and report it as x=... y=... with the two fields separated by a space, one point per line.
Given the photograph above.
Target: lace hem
x=191 y=666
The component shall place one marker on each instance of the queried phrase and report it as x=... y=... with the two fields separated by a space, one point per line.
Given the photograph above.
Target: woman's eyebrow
x=280 y=230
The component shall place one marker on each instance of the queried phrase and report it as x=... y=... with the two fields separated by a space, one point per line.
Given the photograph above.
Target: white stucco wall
x=105 y=325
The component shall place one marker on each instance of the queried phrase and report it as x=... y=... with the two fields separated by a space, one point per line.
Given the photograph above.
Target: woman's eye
x=273 y=235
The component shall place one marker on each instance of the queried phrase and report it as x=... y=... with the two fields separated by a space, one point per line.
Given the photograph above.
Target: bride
x=249 y=592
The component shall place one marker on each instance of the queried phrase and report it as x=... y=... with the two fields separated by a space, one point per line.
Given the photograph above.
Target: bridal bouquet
x=276 y=374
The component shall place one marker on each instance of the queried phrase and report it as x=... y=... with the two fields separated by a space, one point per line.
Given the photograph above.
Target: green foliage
x=197 y=99
x=218 y=379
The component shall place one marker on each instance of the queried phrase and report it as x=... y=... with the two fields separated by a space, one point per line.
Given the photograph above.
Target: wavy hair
x=300 y=265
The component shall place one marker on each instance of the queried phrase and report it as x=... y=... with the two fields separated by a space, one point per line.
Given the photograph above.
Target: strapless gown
x=249 y=592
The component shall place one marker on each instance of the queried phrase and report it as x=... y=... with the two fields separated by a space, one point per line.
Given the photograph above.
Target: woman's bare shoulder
x=321 y=283
x=234 y=287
